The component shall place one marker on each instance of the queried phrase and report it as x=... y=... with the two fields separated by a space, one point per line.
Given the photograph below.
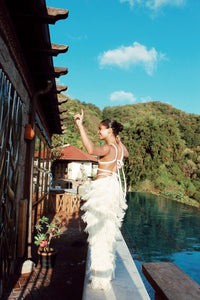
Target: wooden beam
x=53 y=51
x=62 y=100
x=50 y=16
x=56 y=49
x=63 y=118
x=60 y=71
x=55 y=14
x=22 y=229
x=63 y=123
x=62 y=110
x=61 y=88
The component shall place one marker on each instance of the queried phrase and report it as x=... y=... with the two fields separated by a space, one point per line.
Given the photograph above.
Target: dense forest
x=163 y=144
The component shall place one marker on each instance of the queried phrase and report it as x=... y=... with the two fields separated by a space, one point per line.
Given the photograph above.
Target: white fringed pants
x=104 y=211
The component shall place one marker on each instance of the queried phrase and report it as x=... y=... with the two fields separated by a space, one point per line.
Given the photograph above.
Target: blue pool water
x=157 y=229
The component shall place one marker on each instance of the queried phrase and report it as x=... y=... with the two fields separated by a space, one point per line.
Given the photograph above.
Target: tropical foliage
x=163 y=144
x=92 y=116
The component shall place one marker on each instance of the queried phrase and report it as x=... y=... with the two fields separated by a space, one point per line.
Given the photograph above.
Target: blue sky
x=130 y=51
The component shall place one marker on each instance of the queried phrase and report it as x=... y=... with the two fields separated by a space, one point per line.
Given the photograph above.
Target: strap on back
x=111 y=161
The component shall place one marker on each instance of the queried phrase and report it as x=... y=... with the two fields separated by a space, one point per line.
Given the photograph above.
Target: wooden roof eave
x=48 y=16
x=58 y=71
x=62 y=118
x=63 y=122
x=57 y=49
x=59 y=104
x=62 y=110
x=33 y=18
x=63 y=128
x=55 y=14
x=61 y=88
x=53 y=51
x=62 y=100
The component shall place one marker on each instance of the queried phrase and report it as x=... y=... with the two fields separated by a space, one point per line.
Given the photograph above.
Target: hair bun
x=120 y=127
x=117 y=127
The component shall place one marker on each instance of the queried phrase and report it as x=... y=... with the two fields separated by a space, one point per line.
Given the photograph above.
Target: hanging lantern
x=29 y=132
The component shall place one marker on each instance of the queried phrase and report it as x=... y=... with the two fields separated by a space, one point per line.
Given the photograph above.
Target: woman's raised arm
x=89 y=146
x=85 y=139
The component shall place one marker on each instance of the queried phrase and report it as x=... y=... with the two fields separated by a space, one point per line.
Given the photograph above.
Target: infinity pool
x=157 y=229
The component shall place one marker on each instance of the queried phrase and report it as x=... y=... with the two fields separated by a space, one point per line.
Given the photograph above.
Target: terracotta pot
x=29 y=132
x=47 y=259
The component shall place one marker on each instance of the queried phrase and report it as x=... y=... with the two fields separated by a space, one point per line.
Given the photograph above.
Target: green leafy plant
x=46 y=231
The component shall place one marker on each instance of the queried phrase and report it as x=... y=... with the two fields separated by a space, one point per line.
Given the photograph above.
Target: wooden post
x=22 y=221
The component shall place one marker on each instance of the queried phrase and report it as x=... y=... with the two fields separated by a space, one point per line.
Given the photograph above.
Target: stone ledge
x=127 y=284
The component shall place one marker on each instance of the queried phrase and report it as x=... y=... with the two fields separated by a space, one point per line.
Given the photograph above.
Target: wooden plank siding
x=25 y=49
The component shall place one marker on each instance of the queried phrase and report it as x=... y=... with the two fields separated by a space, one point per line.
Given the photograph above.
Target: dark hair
x=116 y=127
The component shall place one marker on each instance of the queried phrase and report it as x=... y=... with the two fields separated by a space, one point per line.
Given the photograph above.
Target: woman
x=106 y=203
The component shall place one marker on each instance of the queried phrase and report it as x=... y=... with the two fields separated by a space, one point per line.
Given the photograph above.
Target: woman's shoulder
x=105 y=148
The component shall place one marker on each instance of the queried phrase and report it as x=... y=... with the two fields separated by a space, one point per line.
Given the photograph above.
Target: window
x=11 y=111
x=42 y=167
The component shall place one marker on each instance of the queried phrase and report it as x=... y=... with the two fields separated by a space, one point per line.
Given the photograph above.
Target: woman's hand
x=79 y=118
x=118 y=140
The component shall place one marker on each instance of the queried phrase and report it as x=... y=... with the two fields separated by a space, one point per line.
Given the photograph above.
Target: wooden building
x=29 y=115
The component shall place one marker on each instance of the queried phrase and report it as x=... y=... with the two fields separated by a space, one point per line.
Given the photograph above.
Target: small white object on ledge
x=27 y=266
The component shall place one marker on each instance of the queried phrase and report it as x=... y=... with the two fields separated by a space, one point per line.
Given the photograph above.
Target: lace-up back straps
x=120 y=161
x=120 y=167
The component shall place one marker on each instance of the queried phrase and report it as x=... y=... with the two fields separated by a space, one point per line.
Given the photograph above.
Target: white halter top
x=119 y=161
x=119 y=166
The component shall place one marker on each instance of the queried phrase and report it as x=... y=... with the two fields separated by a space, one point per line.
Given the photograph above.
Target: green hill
x=163 y=144
x=92 y=117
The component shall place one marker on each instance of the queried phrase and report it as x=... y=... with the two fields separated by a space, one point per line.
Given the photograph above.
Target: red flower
x=53 y=229
x=43 y=244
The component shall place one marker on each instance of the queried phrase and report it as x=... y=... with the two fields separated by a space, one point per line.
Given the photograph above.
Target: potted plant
x=46 y=231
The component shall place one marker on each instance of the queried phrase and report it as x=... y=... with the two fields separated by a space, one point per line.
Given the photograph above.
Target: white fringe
x=104 y=212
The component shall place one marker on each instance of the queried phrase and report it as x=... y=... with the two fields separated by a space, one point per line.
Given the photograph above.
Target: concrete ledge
x=127 y=284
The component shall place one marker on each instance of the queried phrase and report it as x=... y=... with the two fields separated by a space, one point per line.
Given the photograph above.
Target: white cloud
x=125 y=57
x=146 y=99
x=131 y=2
x=156 y=4
x=121 y=96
